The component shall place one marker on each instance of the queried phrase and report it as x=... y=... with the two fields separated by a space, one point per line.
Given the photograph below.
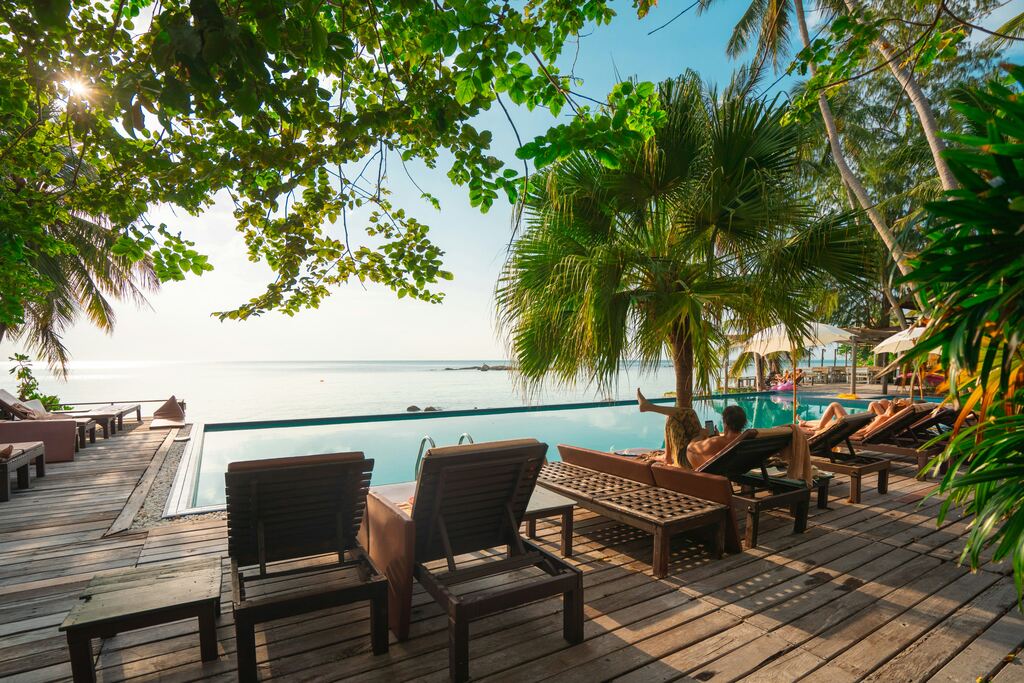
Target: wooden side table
x=544 y=503
x=138 y=597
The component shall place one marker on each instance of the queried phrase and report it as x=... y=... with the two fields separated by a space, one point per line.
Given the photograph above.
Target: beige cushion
x=170 y=410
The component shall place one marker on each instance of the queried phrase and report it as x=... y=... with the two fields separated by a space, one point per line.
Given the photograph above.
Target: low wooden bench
x=660 y=512
x=19 y=461
x=138 y=597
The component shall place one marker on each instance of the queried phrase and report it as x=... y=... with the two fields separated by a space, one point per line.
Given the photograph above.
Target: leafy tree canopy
x=294 y=108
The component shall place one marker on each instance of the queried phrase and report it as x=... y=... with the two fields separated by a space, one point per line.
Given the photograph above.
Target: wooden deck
x=870 y=591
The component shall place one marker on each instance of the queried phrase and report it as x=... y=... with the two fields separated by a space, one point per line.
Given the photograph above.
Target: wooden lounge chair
x=16 y=457
x=827 y=454
x=59 y=436
x=33 y=410
x=896 y=438
x=661 y=500
x=744 y=462
x=470 y=499
x=287 y=510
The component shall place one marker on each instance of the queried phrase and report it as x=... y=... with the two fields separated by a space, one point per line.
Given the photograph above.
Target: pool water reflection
x=393 y=443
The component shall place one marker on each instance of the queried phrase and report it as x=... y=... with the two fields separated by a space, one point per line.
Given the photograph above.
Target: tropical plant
x=859 y=38
x=971 y=272
x=883 y=141
x=296 y=110
x=28 y=385
x=697 y=233
x=81 y=277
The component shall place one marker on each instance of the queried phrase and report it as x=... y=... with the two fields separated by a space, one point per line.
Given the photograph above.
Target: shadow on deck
x=870 y=591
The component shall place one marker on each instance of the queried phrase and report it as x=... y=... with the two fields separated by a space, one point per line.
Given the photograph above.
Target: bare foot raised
x=642 y=401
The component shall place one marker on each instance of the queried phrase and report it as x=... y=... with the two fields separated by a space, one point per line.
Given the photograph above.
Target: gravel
x=151 y=513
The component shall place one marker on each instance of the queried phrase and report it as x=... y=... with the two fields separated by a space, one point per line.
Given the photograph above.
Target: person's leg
x=834 y=411
x=648 y=407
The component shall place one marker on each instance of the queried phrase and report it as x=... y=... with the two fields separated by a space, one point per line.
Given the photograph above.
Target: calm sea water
x=245 y=390
x=232 y=391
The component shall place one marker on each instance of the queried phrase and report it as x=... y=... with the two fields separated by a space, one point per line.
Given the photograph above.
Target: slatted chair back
x=289 y=508
x=749 y=451
x=473 y=497
x=889 y=431
x=823 y=443
x=939 y=420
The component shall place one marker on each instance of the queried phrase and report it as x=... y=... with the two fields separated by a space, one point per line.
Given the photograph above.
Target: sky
x=371 y=323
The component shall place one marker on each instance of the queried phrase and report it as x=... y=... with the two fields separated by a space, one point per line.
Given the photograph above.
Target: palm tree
x=82 y=277
x=699 y=225
x=769 y=24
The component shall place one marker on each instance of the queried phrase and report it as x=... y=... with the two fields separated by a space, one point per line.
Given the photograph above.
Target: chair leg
x=718 y=549
x=855 y=488
x=800 y=521
x=245 y=644
x=208 y=633
x=40 y=466
x=379 y=620
x=23 y=482
x=662 y=548
x=750 y=535
x=567 y=523
x=823 y=495
x=80 y=651
x=458 y=648
x=883 y=481
x=5 y=482
x=572 y=614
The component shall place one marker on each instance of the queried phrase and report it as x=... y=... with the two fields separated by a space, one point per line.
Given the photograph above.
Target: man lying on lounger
x=734 y=420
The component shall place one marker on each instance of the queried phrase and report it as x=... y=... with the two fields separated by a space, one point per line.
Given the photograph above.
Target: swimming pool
x=392 y=440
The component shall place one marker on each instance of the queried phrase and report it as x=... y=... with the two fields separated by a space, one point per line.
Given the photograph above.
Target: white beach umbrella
x=903 y=340
x=776 y=339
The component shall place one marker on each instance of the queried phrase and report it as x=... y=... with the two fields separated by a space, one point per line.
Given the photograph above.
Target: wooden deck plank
x=870 y=590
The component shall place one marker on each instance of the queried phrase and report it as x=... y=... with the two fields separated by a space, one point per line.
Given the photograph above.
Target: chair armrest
x=389 y=537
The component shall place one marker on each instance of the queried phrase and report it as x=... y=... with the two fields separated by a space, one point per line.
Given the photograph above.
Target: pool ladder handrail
x=427 y=439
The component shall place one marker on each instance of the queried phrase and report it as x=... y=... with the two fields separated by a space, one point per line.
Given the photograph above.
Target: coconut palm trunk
x=922 y=105
x=682 y=364
x=850 y=178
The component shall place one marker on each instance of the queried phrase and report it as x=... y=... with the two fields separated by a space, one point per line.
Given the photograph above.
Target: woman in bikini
x=882 y=408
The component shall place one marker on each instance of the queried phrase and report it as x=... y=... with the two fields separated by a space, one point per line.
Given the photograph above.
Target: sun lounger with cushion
x=708 y=488
x=292 y=526
x=470 y=499
x=894 y=437
x=826 y=452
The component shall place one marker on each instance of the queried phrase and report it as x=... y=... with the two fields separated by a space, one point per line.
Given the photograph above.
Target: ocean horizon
x=240 y=390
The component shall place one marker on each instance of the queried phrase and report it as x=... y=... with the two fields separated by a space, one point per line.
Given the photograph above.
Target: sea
x=219 y=391
x=260 y=390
